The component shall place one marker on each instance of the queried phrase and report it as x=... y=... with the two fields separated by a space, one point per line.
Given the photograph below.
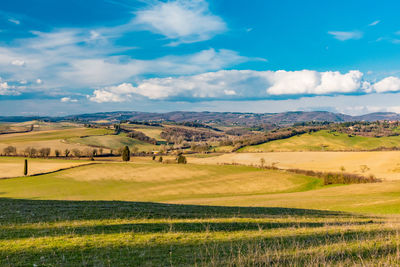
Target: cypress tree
x=26 y=167
x=126 y=154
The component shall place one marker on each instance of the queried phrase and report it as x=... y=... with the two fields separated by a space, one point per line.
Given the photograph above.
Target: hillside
x=224 y=118
x=325 y=141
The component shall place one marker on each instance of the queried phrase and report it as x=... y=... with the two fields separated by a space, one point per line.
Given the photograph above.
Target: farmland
x=325 y=141
x=218 y=209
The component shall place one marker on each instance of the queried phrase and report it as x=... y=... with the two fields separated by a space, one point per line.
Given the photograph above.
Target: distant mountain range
x=215 y=117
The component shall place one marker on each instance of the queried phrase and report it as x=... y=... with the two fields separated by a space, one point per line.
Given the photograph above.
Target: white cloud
x=6 y=89
x=68 y=99
x=343 y=36
x=388 y=84
x=39 y=81
x=18 y=62
x=183 y=20
x=313 y=82
x=236 y=84
x=376 y=22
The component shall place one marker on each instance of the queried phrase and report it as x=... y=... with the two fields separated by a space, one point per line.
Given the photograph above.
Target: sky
x=71 y=57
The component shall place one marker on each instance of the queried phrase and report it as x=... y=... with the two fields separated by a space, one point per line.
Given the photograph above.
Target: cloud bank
x=246 y=84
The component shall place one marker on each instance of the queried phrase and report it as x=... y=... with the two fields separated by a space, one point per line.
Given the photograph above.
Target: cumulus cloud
x=343 y=36
x=183 y=20
x=388 y=84
x=236 y=84
x=6 y=89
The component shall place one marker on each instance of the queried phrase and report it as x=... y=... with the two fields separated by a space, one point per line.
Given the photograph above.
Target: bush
x=57 y=153
x=160 y=159
x=182 y=159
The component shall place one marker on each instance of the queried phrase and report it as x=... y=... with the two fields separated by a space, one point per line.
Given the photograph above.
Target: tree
x=44 y=152
x=30 y=151
x=262 y=162
x=10 y=150
x=57 y=153
x=154 y=157
x=182 y=159
x=126 y=154
x=160 y=159
x=76 y=152
x=25 y=167
x=67 y=152
x=100 y=151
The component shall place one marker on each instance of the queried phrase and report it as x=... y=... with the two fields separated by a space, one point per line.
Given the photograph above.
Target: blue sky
x=68 y=57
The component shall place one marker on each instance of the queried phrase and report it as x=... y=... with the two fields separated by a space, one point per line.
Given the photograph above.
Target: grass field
x=325 y=141
x=154 y=182
x=55 y=139
x=295 y=220
x=72 y=233
x=383 y=164
x=112 y=142
x=13 y=166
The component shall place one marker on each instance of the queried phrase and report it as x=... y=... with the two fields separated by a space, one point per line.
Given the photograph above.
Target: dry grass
x=382 y=164
x=14 y=167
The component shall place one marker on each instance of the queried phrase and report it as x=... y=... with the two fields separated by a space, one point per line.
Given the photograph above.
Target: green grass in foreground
x=325 y=141
x=106 y=233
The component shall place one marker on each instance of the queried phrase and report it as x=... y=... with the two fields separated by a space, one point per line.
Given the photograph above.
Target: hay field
x=14 y=167
x=325 y=141
x=383 y=164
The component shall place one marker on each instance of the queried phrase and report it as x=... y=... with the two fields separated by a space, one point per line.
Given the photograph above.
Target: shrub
x=182 y=159
x=67 y=152
x=57 y=153
x=160 y=159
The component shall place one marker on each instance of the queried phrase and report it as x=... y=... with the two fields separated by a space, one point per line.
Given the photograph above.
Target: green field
x=145 y=213
x=325 y=141
x=112 y=142
x=61 y=134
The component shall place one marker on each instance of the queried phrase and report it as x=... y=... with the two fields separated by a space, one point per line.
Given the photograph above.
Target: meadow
x=325 y=141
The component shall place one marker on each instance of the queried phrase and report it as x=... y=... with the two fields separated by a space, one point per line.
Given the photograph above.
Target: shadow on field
x=29 y=211
x=181 y=240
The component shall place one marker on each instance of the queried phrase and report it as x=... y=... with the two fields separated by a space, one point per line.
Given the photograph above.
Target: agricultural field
x=111 y=142
x=382 y=164
x=218 y=209
x=14 y=166
x=325 y=141
x=53 y=138
x=146 y=213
